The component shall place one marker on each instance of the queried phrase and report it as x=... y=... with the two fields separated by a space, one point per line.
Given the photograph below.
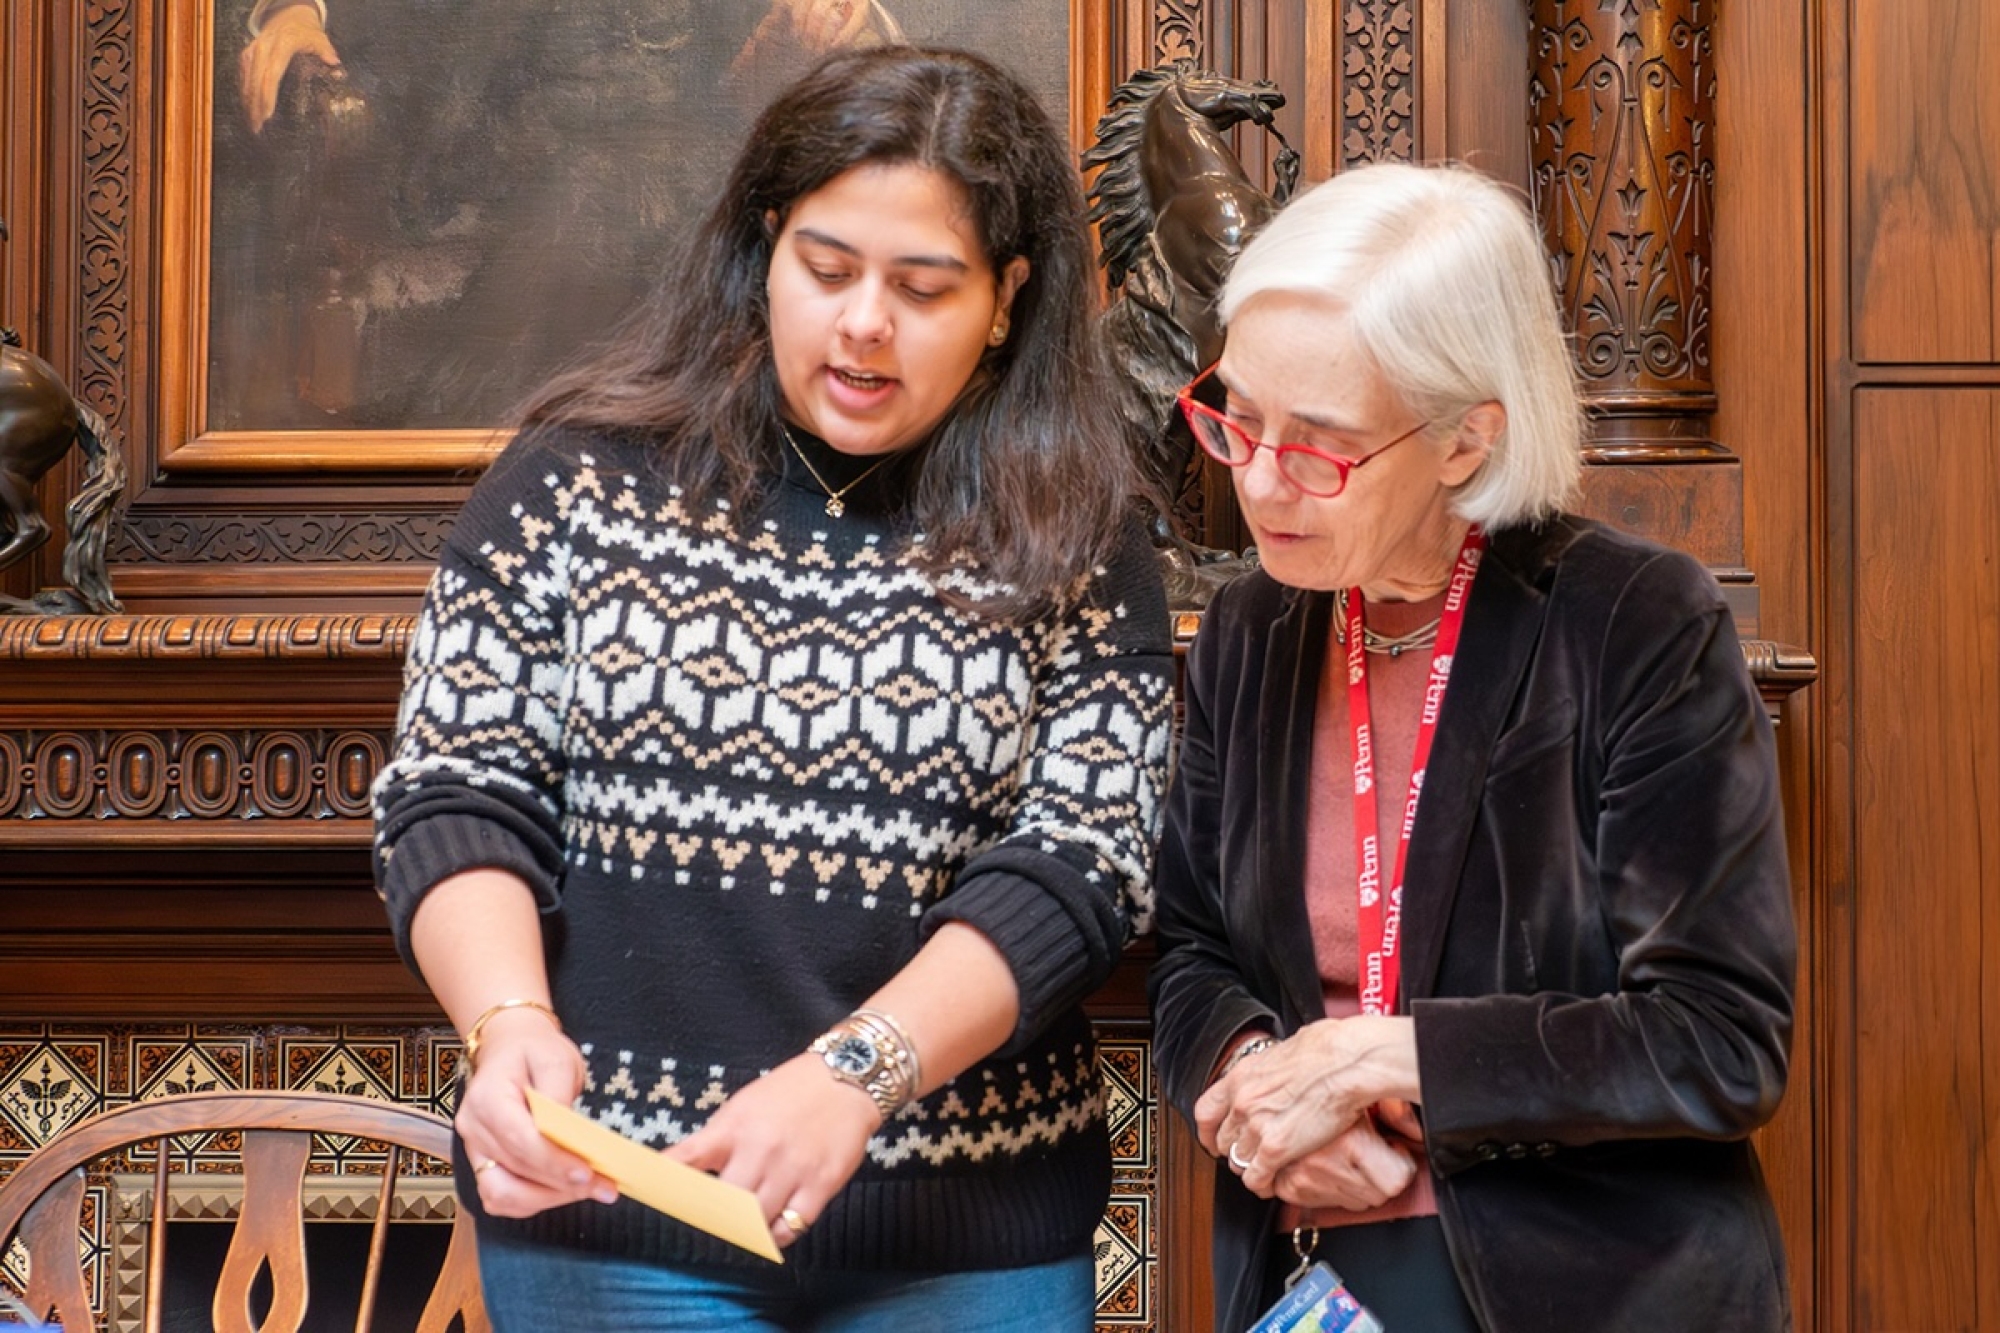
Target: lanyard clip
x=1304 y=1241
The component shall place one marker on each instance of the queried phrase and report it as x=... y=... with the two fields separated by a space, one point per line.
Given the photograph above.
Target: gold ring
x=478 y=1167
x=790 y=1217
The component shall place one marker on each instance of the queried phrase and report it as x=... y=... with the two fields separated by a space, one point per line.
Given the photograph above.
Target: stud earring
x=999 y=332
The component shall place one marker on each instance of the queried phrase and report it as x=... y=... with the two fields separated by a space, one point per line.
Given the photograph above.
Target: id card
x=1319 y=1302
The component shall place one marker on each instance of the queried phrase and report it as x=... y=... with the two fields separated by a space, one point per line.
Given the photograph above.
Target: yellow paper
x=695 y=1197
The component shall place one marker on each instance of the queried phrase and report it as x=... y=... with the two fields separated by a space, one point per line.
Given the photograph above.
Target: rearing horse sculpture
x=1174 y=208
x=39 y=421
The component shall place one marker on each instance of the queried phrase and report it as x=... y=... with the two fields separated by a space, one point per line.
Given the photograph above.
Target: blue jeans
x=539 y=1289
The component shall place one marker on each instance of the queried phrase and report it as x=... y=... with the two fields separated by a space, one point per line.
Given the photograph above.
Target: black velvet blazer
x=1597 y=923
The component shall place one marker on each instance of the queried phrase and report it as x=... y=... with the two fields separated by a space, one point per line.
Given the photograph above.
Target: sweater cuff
x=1051 y=954
x=434 y=849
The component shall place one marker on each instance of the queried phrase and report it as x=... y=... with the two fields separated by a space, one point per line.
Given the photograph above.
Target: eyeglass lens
x=1307 y=469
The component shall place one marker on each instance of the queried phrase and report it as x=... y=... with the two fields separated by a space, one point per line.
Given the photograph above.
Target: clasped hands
x=1323 y=1119
x=792 y=1137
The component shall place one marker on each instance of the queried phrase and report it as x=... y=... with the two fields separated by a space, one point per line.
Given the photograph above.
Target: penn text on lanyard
x=1380 y=917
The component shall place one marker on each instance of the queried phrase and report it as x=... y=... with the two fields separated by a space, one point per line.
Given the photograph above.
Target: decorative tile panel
x=52 y=1076
x=48 y=1084
x=1124 y=1254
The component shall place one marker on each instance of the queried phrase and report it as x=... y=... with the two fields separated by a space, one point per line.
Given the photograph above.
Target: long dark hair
x=1027 y=477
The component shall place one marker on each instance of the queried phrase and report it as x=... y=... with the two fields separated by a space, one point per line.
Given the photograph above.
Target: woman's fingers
x=793 y=1138
x=1358 y=1169
x=520 y=1173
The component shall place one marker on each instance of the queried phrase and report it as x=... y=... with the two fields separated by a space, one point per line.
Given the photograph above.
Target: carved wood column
x=1622 y=133
x=1622 y=171
x=1622 y=128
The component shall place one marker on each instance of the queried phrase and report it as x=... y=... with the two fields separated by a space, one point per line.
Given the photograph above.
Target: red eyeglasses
x=1308 y=467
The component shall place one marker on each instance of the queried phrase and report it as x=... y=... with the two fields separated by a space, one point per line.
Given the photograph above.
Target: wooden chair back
x=42 y=1203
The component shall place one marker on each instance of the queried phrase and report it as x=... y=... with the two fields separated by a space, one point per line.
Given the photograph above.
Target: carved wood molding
x=254 y=732
x=205 y=638
x=111 y=775
x=282 y=537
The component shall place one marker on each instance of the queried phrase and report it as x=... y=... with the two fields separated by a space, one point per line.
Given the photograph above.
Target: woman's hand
x=1361 y=1168
x=793 y=1138
x=822 y=25
x=518 y=1172
x=263 y=64
x=1285 y=1104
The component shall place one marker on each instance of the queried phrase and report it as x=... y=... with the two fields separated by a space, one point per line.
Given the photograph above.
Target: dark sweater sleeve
x=1070 y=882
x=477 y=773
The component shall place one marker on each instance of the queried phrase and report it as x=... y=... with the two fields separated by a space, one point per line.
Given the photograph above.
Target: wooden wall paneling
x=23 y=121
x=1187 y=1216
x=1766 y=314
x=1911 y=1191
x=1836 y=982
x=1483 y=120
x=24 y=98
x=1927 y=868
x=1924 y=126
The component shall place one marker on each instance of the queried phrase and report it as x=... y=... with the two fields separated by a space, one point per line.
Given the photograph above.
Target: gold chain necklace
x=1384 y=645
x=834 y=507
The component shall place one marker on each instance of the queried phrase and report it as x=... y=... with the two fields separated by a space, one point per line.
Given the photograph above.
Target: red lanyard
x=1379 y=921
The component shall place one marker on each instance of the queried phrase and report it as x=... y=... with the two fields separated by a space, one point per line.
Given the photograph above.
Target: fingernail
x=605 y=1195
x=579 y=1177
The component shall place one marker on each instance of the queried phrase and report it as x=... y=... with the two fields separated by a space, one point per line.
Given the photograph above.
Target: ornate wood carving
x=104 y=276
x=205 y=638
x=1378 y=73
x=177 y=774
x=282 y=537
x=195 y=731
x=1622 y=124
x=1177 y=29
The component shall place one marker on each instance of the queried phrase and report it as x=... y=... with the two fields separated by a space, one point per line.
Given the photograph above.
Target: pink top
x=1395 y=700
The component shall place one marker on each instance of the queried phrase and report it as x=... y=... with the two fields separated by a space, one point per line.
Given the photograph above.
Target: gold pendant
x=834 y=508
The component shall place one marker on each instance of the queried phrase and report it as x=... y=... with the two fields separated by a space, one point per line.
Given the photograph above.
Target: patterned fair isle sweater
x=748 y=763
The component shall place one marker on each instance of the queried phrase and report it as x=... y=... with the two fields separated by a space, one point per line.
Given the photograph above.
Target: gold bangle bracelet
x=479 y=1025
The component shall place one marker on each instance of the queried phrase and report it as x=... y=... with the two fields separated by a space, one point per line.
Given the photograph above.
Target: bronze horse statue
x=39 y=421
x=1174 y=208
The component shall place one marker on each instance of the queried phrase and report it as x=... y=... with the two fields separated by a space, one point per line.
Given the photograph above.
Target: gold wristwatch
x=870 y=1050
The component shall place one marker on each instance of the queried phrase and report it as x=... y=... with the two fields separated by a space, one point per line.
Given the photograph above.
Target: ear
x=1011 y=278
x=771 y=226
x=1473 y=445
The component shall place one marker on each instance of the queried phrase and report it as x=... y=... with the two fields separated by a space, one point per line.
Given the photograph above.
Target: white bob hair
x=1443 y=278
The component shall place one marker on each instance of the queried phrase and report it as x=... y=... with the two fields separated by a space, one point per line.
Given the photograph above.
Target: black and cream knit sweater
x=748 y=762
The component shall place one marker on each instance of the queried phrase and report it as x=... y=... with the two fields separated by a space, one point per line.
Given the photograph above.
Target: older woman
x=1494 y=1053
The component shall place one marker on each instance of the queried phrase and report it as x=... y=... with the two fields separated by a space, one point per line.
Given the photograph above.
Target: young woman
x=784 y=738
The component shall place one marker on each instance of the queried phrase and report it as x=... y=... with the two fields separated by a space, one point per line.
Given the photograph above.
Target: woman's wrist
x=1247 y=1044
x=475 y=1034
x=1382 y=1050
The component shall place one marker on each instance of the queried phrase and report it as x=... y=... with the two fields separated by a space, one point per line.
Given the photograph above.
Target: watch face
x=852 y=1054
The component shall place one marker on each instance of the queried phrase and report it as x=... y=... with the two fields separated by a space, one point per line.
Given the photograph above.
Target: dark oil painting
x=420 y=208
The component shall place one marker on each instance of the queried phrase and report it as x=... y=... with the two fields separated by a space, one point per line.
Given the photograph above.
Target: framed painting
x=385 y=221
